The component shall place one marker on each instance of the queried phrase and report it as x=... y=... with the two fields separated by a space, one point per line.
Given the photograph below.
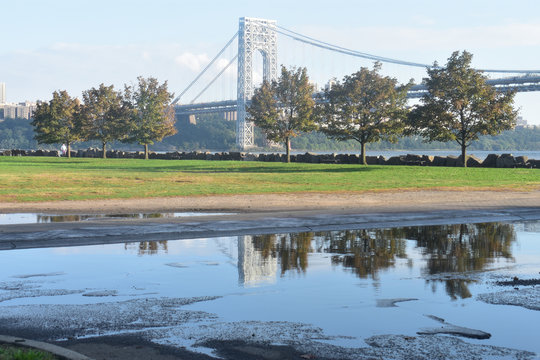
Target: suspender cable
x=204 y=70
x=214 y=79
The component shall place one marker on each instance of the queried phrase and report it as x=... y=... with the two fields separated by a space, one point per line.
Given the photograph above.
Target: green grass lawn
x=17 y=353
x=43 y=178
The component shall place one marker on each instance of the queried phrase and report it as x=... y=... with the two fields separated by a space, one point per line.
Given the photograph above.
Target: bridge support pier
x=253 y=34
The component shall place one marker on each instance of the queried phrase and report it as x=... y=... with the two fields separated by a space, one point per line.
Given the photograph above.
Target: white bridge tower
x=253 y=34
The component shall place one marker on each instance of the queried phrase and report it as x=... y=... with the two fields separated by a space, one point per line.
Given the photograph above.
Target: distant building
x=2 y=93
x=22 y=110
x=521 y=122
x=328 y=86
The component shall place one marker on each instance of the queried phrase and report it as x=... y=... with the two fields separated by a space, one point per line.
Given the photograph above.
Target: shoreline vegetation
x=38 y=179
x=212 y=133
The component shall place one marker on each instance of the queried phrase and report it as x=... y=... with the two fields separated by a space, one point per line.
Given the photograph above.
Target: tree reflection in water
x=291 y=249
x=148 y=247
x=365 y=252
x=451 y=251
x=462 y=249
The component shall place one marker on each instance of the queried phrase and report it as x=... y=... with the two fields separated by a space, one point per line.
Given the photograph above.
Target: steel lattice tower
x=253 y=34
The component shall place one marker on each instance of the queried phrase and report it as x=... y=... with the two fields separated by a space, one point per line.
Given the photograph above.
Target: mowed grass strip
x=24 y=179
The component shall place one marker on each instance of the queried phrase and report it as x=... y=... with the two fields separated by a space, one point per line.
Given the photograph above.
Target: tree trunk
x=288 y=149
x=363 y=153
x=146 y=151
x=464 y=154
x=69 y=150
x=104 y=153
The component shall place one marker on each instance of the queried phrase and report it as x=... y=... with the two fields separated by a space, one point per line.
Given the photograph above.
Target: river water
x=330 y=288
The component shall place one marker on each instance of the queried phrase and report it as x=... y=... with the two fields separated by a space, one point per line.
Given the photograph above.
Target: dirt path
x=328 y=202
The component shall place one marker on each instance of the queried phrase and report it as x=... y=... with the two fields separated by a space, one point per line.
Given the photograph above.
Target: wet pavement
x=120 y=230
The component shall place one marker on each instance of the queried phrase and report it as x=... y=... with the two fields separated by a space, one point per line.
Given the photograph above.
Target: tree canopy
x=459 y=105
x=105 y=115
x=284 y=108
x=152 y=116
x=58 y=121
x=365 y=106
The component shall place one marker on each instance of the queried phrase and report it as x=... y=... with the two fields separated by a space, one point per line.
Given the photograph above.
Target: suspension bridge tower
x=253 y=35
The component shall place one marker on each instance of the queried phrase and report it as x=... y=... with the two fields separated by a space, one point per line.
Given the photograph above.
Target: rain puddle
x=29 y=218
x=471 y=287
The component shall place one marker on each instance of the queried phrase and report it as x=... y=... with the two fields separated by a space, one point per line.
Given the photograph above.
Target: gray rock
x=439 y=161
x=353 y=159
x=327 y=159
x=521 y=161
x=506 y=161
x=490 y=161
x=372 y=160
x=428 y=159
x=533 y=164
x=453 y=161
x=473 y=161
x=396 y=160
x=450 y=329
x=237 y=156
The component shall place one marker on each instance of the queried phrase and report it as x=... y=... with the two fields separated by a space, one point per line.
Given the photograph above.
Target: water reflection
x=451 y=253
x=148 y=247
x=365 y=252
x=256 y=265
x=65 y=218
x=291 y=249
x=32 y=218
x=462 y=249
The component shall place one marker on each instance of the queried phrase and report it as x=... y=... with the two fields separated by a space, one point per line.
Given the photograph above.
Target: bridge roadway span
x=518 y=83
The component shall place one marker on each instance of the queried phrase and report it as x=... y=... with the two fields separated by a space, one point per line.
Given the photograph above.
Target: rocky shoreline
x=491 y=161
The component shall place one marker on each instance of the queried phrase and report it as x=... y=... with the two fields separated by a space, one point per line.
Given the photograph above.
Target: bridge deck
x=517 y=83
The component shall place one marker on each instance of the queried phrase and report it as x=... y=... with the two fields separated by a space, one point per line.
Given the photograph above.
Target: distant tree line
x=518 y=139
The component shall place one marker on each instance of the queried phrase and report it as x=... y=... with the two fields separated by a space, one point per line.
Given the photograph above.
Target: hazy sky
x=76 y=45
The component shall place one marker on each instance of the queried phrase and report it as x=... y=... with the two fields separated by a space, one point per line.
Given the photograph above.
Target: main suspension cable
x=325 y=45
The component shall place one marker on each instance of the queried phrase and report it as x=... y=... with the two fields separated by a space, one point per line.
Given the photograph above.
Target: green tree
x=105 y=115
x=58 y=121
x=366 y=107
x=284 y=108
x=460 y=106
x=153 y=117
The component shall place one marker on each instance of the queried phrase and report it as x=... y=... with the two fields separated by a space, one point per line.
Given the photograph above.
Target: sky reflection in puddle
x=24 y=218
x=333 y=280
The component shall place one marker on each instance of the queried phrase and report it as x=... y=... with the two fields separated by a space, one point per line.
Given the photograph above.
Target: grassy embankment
x=38 y=179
